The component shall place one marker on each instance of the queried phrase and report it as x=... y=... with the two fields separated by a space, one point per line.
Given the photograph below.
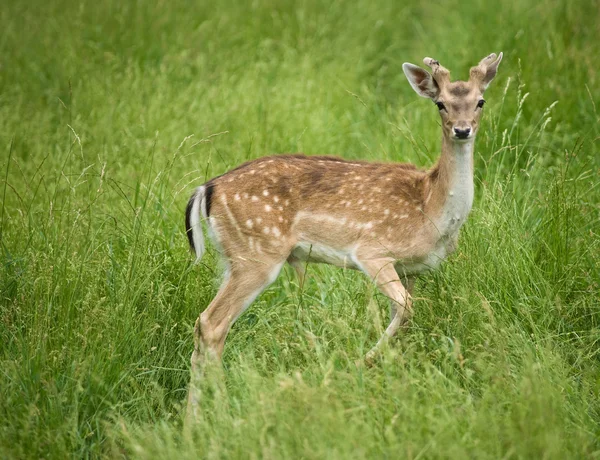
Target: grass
x=111 y=112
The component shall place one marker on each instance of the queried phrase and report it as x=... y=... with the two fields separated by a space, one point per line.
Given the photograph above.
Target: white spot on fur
x=232 y=219
x=254 y=198
x=268 y=208
x=237 y=197
x=266 y=230
x=249 y=223
x=258 y=220
x=280 y=219
x=276 y=232
x=429 y=196
x=265 y=192
x=386 y=212
x=276 y=199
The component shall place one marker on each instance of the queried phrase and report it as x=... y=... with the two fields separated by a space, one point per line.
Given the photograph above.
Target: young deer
x=391 y=221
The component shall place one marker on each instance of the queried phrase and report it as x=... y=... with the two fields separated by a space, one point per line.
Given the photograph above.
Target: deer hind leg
x=383 y=273
x=300 y=268
x=244 y=282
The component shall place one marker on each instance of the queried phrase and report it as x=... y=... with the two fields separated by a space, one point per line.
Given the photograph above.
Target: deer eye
x=440 y=105
x=480 y=103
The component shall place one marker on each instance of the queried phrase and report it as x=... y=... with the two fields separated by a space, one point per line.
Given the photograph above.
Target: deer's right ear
x=421 y=81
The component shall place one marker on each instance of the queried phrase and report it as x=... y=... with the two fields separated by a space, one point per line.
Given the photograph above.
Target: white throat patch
x=460 y=195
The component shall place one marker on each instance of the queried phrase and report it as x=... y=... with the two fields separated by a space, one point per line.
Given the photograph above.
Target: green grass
x=112 y=112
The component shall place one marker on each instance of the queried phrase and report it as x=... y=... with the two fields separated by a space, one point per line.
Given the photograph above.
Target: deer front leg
x=409 y=283
x=383 y=273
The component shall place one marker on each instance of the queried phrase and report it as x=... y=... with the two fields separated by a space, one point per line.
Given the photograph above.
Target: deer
x=391 y=221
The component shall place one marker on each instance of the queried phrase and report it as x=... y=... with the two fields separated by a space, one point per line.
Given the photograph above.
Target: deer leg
x=383 y=273
x=409 y=283
x=239 y=289
x=300 y=269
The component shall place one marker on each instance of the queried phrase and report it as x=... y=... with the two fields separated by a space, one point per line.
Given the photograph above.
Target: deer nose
x=462 y=133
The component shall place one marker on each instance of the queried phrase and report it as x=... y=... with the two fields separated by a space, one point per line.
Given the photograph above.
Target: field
x=112 y=112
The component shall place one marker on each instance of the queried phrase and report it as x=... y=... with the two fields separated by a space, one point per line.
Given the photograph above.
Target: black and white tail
x=194 y=214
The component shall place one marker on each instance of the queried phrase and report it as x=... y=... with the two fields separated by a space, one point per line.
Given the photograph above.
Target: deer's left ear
x=486 y=70
x=421 y=81
x=491 y=71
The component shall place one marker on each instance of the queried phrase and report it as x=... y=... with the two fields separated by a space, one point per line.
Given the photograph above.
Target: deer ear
x=490 y=71
x=421 y=81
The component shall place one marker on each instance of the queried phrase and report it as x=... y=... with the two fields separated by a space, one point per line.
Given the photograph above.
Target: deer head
x=461 y=102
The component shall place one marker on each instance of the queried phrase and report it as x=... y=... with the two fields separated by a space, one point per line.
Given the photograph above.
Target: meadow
x=112 y=112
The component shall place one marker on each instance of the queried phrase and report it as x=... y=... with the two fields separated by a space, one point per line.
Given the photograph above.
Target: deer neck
x=451 y=187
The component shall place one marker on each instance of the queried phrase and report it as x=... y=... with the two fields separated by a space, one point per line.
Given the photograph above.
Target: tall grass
x=111 y=112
